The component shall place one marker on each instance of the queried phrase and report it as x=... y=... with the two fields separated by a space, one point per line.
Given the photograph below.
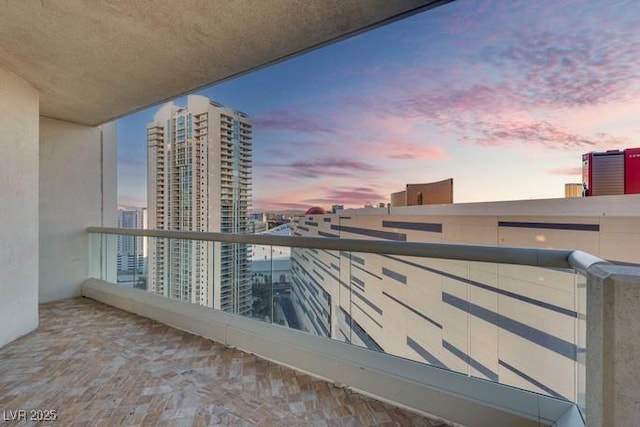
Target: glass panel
x=284 y=312
x=537 y=329
x=314 y=279
x=581 y=303
x=95 y=255
x=508 y=323
x=518 y=325
x=261 y=282
x=108 y=267
x=411 y=307
x=130 y=261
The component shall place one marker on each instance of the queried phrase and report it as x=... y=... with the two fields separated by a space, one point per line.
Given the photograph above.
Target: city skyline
x=452 y=92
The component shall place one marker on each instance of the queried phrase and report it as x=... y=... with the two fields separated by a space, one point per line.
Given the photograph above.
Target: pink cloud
x=532 y=75
x=541 y=133
x=269 y=204
x=323 y=195
x=407 y=151
x=392 y=137
x=566 y=171
x=529 y=88
x=466 y=18
x=321 y=167
x=567 y=70
x=349 y=196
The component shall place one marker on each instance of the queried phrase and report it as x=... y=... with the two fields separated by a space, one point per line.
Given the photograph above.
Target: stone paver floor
x=96 y=365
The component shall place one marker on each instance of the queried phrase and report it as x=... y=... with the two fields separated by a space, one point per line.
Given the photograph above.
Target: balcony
x=58 y=166
x=282 y=344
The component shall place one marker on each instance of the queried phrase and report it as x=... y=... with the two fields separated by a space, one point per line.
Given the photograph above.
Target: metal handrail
x=582 y=261
x=538 y=257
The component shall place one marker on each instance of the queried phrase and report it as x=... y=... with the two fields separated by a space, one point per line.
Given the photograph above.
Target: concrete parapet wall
x=613 y=346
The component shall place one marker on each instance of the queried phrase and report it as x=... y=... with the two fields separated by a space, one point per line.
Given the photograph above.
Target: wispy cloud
x=444 y=104
x=568 y=70
x=349 y=196
x=269 y=203
x=516 y=84
x=321 y=167
x=127 y=201
x=566 y=171
x=541 y=133
x=324 y=195
x=408 y=151
x=297 y=121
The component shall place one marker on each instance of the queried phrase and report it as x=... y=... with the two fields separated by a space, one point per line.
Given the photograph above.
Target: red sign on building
x=632 y=171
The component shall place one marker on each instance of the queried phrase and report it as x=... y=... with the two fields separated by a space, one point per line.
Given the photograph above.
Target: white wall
x=77 y=190
x=19 y=106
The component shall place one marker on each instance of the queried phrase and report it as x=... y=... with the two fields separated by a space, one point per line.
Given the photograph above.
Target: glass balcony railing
x=513 y=316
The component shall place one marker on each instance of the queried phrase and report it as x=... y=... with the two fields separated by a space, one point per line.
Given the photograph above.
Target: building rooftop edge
x=619 y=205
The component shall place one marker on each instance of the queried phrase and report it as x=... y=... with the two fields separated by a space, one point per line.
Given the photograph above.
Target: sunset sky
x=502 y=96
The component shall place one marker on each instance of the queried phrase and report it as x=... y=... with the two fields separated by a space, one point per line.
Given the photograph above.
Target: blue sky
x=503 y=96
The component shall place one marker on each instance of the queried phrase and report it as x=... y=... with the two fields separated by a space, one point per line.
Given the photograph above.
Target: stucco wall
x=18 y=207
x=77 y=189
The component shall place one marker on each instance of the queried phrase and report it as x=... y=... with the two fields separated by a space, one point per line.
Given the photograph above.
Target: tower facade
x=131 y=249
x=199 y=179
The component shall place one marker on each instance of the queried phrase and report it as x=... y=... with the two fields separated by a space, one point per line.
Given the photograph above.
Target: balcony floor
x=97 y=365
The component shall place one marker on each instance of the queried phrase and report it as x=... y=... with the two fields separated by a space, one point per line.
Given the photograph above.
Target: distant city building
x=278 y=218
x=336 y=208
x=315 y=210
x=432 y=193
x=257 y=222
x=573 y=190
x=199 y=179
x=512 y=323
x=132 y=250
x=257 y=216
x=254 y=227
x=611 y=172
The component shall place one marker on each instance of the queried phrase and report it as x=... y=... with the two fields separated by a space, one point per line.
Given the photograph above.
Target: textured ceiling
x=96 y=60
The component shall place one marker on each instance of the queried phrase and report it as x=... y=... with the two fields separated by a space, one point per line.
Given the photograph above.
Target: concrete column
x=613 y=346
x=77 y=190
x=19 y=105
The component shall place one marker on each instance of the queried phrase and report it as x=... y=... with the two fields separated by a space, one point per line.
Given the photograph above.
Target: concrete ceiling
x=96 y=60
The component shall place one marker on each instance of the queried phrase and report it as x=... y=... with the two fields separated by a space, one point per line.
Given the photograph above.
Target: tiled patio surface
x=96 y=365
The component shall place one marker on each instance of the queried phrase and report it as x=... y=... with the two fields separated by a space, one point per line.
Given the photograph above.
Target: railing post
x=613 y=346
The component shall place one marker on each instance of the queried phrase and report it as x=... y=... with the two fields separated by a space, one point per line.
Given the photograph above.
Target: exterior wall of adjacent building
x=573 y=190
x=19 y=174
x=523 y=326
x=432 y=193
x=399 y=198
x=199 y=179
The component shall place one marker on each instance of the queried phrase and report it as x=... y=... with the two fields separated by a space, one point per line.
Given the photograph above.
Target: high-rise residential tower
x=199 y=179
x=132 y=251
